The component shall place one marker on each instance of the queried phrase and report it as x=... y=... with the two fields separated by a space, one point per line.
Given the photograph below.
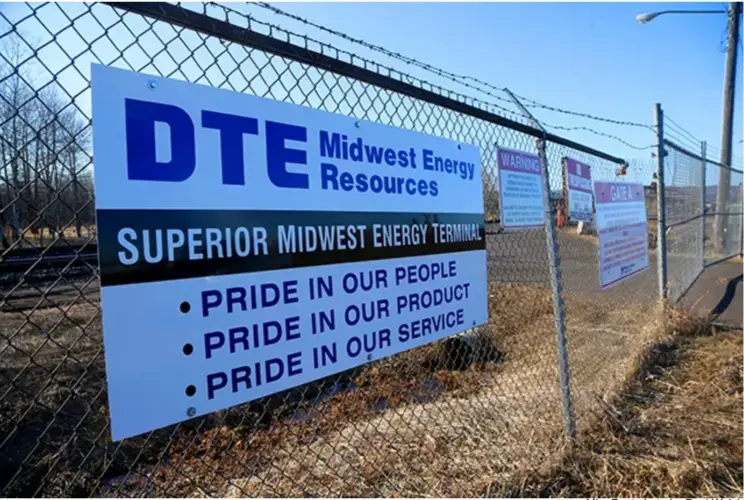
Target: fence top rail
x=682 y=150
x=721 y=165
x=211 y=26
x=698 y=157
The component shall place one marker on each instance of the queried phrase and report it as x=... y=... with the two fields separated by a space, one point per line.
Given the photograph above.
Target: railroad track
x=37 y=269
x=24 y=258
x=27 y=276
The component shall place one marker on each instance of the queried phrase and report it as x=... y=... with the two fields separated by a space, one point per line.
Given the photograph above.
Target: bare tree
x=15 y=115
x=45 y=152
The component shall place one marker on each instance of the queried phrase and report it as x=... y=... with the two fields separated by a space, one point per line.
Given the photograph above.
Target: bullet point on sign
x=190 y=390
x=185 y=307
x=188 y=349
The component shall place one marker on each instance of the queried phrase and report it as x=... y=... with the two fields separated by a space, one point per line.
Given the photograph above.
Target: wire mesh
x=607 y=329
x=723 y=221
x=446 y=419
x=683 y=190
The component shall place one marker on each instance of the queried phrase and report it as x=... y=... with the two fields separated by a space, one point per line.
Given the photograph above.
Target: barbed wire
x=714 y=153
x=404 y=76
x=447 y=74
x=681 y=140
x=395 y=55
x=596 y=132
x=669 y=122
x=390 y=53
x=679 y=135
x=251 y=20
x=531 y=103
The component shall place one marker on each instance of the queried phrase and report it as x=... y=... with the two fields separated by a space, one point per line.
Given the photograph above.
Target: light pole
x=645 y=18
x=723 y=239
x=729 y=89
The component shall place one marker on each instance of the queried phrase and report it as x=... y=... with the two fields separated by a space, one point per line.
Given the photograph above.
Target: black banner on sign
x=140 y=246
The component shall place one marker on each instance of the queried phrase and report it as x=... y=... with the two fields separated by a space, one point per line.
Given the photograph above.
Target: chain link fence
x=723 y=199
x=448 y=419
x=684 y=193
x=701 y=231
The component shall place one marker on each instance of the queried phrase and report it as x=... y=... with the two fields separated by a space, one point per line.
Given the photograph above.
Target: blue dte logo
x=143 y=165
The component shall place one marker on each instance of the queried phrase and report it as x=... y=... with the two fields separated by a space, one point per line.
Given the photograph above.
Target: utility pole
x=729 y=89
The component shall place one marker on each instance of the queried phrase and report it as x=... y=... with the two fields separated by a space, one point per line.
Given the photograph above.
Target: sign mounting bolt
x=191 y=411
x=152 y=84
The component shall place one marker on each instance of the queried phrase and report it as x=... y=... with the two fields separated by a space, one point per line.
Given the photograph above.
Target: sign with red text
x=579 y=183
x=622 y=230
x=248 y=246
x=520 y=190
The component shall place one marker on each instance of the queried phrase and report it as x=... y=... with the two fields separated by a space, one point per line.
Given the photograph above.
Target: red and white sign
x=579 y=182
x=622 y=229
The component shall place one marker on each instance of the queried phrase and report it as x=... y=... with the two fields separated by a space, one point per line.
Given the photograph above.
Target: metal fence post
x=661 y=250
x=741 y=219
x=703 y=188
x=551 y=238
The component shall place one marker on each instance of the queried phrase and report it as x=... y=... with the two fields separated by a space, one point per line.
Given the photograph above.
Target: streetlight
x=645 y=18
x=729 y=86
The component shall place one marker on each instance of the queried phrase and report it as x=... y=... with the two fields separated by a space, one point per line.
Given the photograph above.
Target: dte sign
x=143 y=164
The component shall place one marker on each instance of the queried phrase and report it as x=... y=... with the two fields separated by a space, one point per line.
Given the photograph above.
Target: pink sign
x=579 y=181
x=579 y=175
x=613 y=192
x=622 y=230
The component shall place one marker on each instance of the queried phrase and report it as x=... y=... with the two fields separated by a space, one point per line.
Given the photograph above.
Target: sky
x=591 y=58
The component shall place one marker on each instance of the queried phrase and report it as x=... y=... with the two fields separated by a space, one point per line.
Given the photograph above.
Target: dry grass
x=675 y=430
x=410 y=425
x=52 y=392
x=54 y=413
x=41 y=238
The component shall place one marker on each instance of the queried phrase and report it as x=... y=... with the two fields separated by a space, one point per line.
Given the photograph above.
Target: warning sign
x=521 y=190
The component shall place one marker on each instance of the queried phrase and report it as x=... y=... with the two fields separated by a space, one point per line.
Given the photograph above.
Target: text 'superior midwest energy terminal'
x=248 y=246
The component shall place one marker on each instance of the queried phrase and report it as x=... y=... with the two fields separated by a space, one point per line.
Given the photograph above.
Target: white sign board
x=520 y=190
x=621 y=226
x=579 y=183
x=248 y=246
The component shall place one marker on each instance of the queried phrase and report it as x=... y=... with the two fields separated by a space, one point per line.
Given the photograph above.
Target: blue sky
x=585 y=57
